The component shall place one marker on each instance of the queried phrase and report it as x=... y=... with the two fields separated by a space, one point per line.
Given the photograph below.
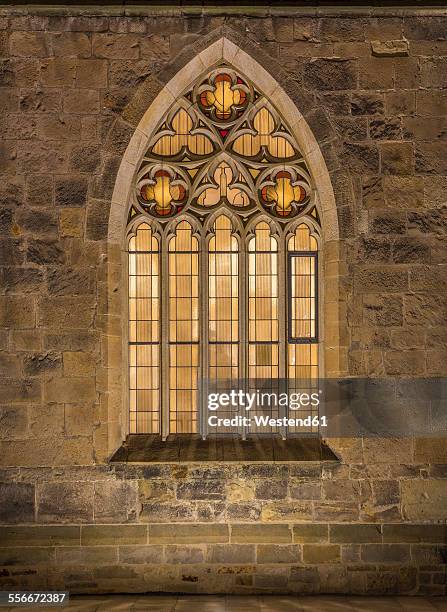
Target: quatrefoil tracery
x=223 y=143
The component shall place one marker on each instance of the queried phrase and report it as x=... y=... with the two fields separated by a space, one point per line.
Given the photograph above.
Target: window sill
x=150 y=448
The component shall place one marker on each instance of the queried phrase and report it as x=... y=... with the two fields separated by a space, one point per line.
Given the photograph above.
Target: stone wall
x=73 y=88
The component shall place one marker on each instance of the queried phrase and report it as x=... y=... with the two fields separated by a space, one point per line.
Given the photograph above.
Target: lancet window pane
x=183 y=329
x=263 y=304
x=144 y=331
x=223 y=301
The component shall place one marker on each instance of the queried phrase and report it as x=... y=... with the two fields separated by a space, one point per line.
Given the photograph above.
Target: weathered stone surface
x=40 y=535
x=397 y=158
x=70 y=281
x=331 y=74
x=17 y=503
x=21 y=280
x=71 y=192
x=17 y=312
x=116 y=501
x=102 y=535
x=320 y=553
x=231 y=553
x=66 y=312
x=13 y=422
x=65 y=502
x=286 y=553
x=246 y=533
x=390 y=48
x=188 y=534
x=422 y=500
x=39 y=363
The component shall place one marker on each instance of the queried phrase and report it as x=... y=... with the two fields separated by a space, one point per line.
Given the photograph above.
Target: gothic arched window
x=223 y=235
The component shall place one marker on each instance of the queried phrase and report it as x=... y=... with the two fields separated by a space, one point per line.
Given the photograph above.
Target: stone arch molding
x=114 y=340
x=222 y=50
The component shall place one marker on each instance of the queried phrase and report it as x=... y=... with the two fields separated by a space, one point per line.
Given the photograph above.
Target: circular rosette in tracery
x=284 y=192
x=224 y=96
x=161 y=190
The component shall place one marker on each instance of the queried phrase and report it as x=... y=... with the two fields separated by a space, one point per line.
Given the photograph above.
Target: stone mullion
x=243 y=312
x=203 y=373
x=164 y=369
x=282 y=313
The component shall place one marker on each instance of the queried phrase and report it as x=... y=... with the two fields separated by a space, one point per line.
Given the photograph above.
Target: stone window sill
x=150 y=448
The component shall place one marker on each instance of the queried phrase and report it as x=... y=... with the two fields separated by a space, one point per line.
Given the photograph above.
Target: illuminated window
x=223 y=235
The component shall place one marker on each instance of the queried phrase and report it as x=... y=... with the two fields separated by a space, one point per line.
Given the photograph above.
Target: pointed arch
x=222 y=50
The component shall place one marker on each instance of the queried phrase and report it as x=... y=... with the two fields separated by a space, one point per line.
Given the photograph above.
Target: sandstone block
x=200 y=490
x=85 y=157
x=17 y=312
x=103 y=535
x=385 y=553
x=390 y=48
x=116 y=501
x=20 y=390
x=188 y=534
x=183 y=554
x=321 y=553
x=14 y=422
x=414 y=533
x=397 y=157
x=29 y=44
x=65 y=502
x=27 y=556
x=29 y=340
x=16 y=503
x=70 y=390
x=310 y=534
x=231 y=553
x=412 y=249
x=11 y=252
x=71 y=44
x=66 y=312
x=41 y=363
x=376 y=73
x=384 y=222
x=81 y=101
x=71 y=222
x=70 y=281
x=404 y=192
x=71 y=192
x=114 y=46
x=286 y=511
x=80 y=556
x=246 y=533
x=424 y=28
x=331 y=74
x=434 y=72
x=357 y=534
x=40 y=535
x=431 y=158
x=365 y=103
x=136 y=555
x=361 y=159
x=369 y=280
x=271 y=489
x=91 y=74
x=285 y=553
x=58 y=72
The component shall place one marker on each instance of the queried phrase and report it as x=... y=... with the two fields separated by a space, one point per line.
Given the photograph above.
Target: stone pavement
x=266 y=603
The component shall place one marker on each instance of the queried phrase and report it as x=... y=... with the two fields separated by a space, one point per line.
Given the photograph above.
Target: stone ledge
x=267 y=9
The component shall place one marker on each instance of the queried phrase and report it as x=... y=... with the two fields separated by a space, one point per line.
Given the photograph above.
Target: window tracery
x=224 y=226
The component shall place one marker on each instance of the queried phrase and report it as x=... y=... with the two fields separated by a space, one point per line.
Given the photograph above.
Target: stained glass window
x=223 y=254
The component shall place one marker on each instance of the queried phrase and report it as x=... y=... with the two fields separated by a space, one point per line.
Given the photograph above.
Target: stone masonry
x=74 y=84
